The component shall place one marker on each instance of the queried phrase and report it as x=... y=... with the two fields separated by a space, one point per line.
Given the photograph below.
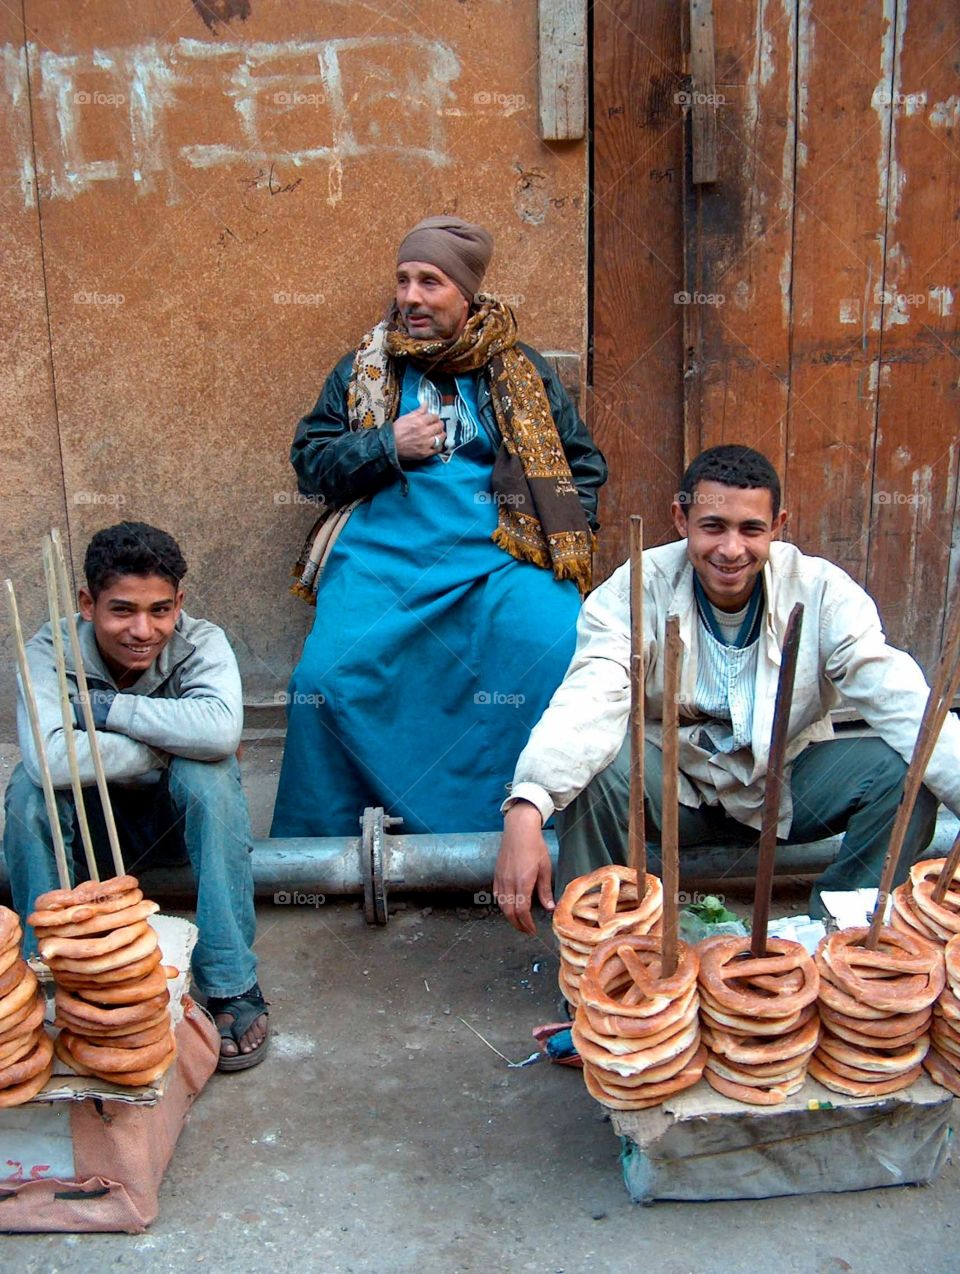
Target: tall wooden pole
x=669 y=822
x=637 y=832
x=942 y=692
x=774 y=782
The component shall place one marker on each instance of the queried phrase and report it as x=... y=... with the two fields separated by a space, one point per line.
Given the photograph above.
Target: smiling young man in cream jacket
x=733 y=587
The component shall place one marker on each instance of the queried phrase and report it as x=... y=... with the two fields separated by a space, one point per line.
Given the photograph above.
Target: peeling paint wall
x=201 y=209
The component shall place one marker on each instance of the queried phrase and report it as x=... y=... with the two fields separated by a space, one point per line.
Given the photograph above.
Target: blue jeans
x=197 y=807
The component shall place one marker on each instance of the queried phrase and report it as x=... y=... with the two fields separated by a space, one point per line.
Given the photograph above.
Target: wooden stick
x=66 y=708
x=669 y=822
x=637 y=833
x=774 y=783
x=945 y=879
x=942 y=692
x=46 y=782
x=107 y=806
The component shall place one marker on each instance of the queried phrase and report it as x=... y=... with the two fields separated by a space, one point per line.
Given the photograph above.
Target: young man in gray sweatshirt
x=166 y=697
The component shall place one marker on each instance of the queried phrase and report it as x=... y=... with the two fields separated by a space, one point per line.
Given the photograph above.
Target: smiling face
x=728 y=532
x=431 y=305
x=133 y=619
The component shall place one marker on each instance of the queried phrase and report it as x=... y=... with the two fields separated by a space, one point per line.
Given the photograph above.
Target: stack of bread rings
x=759 y=1018
x=112 y=1000
x=26 y=1050
x=596 y=907
x=914 y=909
x=637 y=1032
x=942 y=1062
x=875 y=1008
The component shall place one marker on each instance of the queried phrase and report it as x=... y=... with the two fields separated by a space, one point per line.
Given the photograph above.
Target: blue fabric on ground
x=431 y=658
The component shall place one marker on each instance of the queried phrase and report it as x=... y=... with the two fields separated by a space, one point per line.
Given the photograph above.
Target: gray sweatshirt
x=188 y=702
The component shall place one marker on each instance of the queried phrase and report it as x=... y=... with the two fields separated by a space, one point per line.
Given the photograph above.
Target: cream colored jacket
x=843 y=659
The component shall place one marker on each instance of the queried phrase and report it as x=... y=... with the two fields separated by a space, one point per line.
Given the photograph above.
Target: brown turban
x=458 y=248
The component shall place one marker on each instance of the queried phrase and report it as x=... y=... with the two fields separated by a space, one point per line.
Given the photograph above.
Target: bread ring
x=951 y=957
x=923 y=880
x=102 y=922
x=918 y=963
x=636 y=1063
x=640 y=1084
x=947 y=1043
x=906 y=911
x=21 y=1093
x=116 y=1015
x=727 y=964
x=109 y=977
x=134 y=951
x=14 y=1001
x=135 y=991
x=772 y=1096
x=892 y=1061
x=85 y=948
x=860 y=1076
x=772 y=1076
x=139 y=1038
x=12 y=977
x=18 y=1047
x=641 y=1028
x=877 y=1028
x=106 y=1034
x=128 y=1079
x=9 y=958
x=26 y=1019
x=27 y=1067
x=757 y=1050
x=748 y=1026
x=604 y=902
x=80 y=912
x=651 y=1094
x=109 y=1060
x=859 y=1040
x=11 y=931
x=90 y=891
x=618 y=1044
x=646 y=992
x=942 y=1072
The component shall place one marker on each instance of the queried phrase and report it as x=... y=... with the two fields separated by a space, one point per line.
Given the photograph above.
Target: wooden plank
x=915 y=481
x=738 y=236
x=703 y=88
x=635 y=392
x=839 y=227
x=563 y=70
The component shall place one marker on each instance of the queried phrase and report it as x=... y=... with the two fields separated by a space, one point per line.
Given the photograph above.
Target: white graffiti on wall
x=351 y=98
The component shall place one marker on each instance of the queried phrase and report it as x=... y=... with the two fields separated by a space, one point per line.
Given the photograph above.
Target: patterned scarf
x=541 y=519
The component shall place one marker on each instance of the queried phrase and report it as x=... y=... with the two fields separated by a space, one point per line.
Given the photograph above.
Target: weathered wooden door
x=804 y=301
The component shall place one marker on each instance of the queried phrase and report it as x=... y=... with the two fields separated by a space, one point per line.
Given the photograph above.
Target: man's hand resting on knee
x=523 y=865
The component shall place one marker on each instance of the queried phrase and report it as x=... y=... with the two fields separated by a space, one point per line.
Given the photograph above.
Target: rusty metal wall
x=201 y=202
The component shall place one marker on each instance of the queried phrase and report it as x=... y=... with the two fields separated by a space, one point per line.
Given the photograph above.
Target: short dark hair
x=131 y=548
x=734 y=466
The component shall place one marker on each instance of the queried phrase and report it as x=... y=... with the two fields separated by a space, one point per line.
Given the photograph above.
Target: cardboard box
x=701 y=1145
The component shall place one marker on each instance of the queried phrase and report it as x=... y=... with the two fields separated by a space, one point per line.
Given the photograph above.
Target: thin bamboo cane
x=66 y=709
x=46 y=782
x=67 y=594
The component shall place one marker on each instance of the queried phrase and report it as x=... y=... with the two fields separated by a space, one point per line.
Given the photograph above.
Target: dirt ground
x=382 y=1134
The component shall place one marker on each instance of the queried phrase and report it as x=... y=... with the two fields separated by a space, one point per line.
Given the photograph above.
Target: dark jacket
x=341 y=465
